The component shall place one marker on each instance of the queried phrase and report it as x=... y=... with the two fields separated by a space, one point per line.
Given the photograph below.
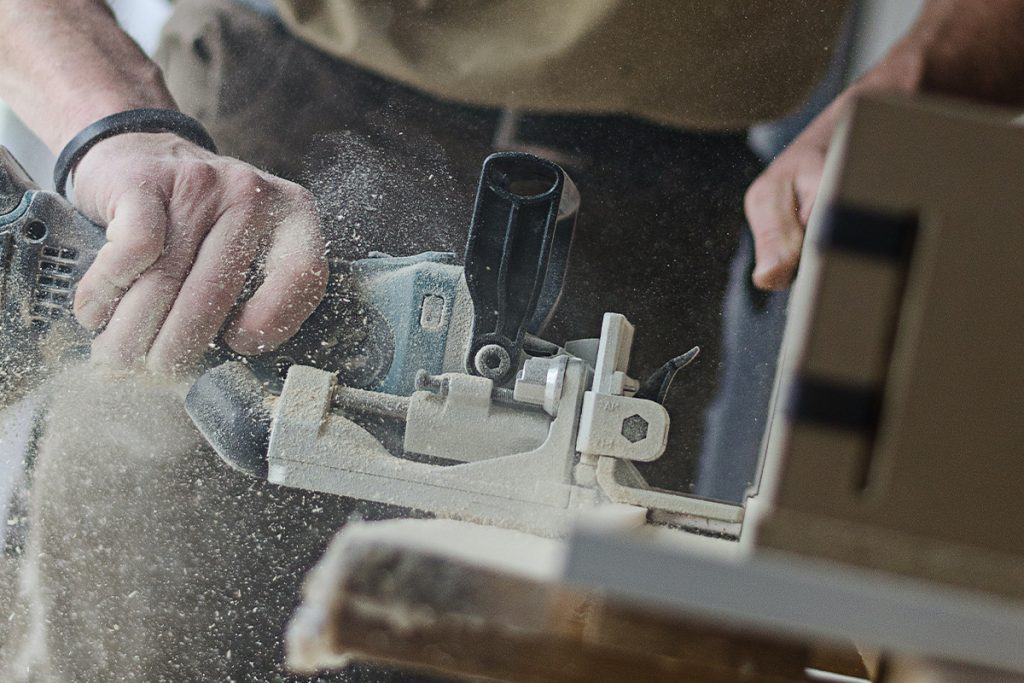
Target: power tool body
x=419 y=381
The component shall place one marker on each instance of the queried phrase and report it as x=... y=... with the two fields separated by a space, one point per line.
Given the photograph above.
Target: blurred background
x=878 y=24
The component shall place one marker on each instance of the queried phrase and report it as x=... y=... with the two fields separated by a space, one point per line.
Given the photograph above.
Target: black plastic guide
x=516 y=256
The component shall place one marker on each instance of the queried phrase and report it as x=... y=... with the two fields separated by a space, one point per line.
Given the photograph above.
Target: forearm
x=970 y=48
x=66 y=63
x=962 y=48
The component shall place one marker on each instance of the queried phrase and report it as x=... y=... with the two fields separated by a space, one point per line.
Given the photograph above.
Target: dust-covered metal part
x=233 y=413
x=382 y=320
x=563 y=442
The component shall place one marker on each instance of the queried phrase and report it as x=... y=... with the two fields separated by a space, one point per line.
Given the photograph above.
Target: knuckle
x=85 y=291
x=112 y=273
x=772 y=240
x=118 y=280
x=125 y=262
x=319 y=268
x=301 y=197
x=758 y=193
x=104 y=282
x=249 y=184
x=213 y=290
x=87 y=307
x=765 y=210
x=143 y=252
x=196 y=176
x=311 y=277
x=170 y=272
x=166 y=282
x=306 y=263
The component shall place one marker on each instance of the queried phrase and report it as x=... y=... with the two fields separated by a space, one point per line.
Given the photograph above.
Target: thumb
x=778 y=206
x=778 y=234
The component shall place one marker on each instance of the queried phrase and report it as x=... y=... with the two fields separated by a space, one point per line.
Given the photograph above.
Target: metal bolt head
x=492 y=361
x=634 y=428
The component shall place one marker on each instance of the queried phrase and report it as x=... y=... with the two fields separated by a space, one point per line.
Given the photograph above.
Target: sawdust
x=29 y=356
x=388 y=195
x=148 y=559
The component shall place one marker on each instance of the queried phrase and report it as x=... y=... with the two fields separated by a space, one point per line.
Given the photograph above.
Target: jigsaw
x=420 y=381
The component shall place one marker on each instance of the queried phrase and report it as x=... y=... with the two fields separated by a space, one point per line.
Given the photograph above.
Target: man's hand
x=778 y=205
x=185 y=228
x=970 y=48
x=779 y=202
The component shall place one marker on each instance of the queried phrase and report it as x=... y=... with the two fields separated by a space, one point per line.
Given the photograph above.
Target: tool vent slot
x=52 y=295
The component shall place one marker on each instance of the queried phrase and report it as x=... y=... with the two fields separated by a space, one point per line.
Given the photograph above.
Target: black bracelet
x=131 y=121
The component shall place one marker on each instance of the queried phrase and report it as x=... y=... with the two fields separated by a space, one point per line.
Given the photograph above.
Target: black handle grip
x=516 y=256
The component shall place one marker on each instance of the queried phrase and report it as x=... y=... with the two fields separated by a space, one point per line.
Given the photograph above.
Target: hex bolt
x=634 y=428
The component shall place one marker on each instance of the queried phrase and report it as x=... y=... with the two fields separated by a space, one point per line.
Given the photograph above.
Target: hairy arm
x=66 y=63
x=184 y=226
x=965 y=48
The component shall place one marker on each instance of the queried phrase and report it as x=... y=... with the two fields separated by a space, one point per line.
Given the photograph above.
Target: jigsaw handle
x=516 y=256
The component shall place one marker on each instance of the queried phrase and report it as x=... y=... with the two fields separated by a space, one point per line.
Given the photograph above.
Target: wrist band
x=131 y=121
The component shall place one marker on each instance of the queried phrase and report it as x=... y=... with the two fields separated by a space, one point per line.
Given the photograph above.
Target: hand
x=778 y=205
x=779 y=202
x=963 y=49
x=184 y=228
